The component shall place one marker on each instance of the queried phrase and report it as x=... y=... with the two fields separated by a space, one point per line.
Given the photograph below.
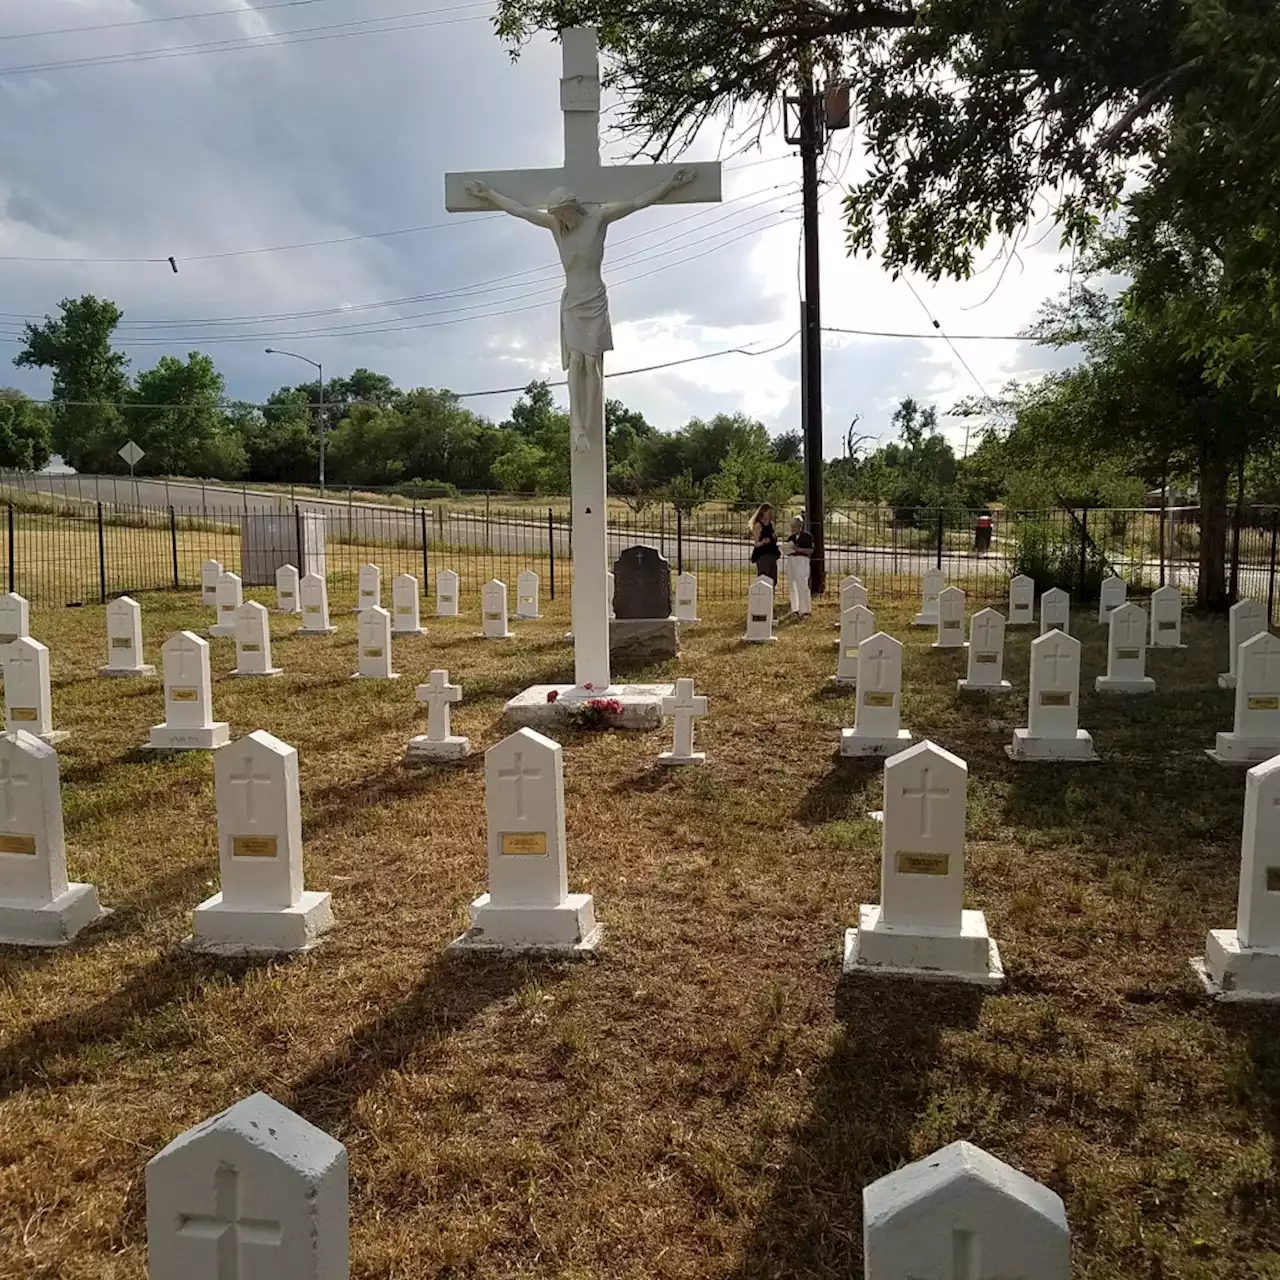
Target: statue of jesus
x=585 y=333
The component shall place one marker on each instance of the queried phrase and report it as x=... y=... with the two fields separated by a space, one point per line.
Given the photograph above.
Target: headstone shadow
x=840 y=793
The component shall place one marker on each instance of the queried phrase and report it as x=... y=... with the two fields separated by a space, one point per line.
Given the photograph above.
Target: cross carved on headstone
x=966 y=1264
x=879 y=657
x=925 y=794
x=228 y=1228
x=1131 y=630
x=248 y=780
x=518 y=776
x=1055 y=656
x=984 y=630
x=8 y=781
x=1265 y=660
x=24 y=656
x=187 y=648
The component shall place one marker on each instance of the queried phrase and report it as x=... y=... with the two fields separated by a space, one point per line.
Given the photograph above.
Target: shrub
x=1049 y=553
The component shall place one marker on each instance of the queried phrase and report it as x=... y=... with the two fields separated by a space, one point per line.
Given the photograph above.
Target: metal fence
x=63 y=550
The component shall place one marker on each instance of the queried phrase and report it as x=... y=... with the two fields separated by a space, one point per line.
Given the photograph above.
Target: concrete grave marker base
x=1226 y=680
x=670 y=758
x=971 y=955
x=209 y=738
x=219 y=631
x=568 y=930
x=925 y=620
x=1106 y=684
x=240 y=931
x=845 y=682
x=315 y=631
x=852 y=743
x=1235 y=749
x=641 y=705
x=963 y=686
x=407 y=631
x=145 y=670
x=392 y=675
x=1234 y=973
x=421 y=750
x=54 y=924
x=640 y=641
x=1076 y=750
x=951 y=648
x=270 y=671
x=759 y=639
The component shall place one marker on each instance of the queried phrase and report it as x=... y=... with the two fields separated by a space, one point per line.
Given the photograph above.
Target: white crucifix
x=926 y=795
x=518 y=775
x=229 y=1230
x=684 y=707
x=249 y=780
x=577 y=203
x=9 y=780
x=439 y=695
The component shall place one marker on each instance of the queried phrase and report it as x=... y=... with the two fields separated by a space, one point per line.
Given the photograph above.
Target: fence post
x=102 y=559
x=1271 y=581
x=173 y=543
x=938 y=563
x=679 y=541
x=1084 y=546
x=551 y=550
x=298 y=543
x=12 y=588
x=488 y=534
x=426 y=565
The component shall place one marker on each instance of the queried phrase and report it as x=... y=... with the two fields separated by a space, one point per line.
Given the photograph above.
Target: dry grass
x=710 y=1098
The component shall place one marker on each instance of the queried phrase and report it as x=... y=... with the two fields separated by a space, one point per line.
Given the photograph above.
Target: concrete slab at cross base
x=315 y=631
x=641 y=705
x=409 y=631
x=24 y=924
x=1235 y=749
x=209 y=738
x=853 y=743
x=1105 y=684
x=421 y=750
x=994 y=690
x=1077 y=750
x=925 y=620
x=567 y=930
x=670 y=757
x=248 y=675
x=951 y=648
x=145 y=670
x=359 y=675
x=874 y=949
x=759 y=639
x=643 y=640
x=1238 y=974
x=847 y=682
x=236 y=931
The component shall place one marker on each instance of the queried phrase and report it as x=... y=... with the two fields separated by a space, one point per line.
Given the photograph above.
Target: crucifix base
x=1106 y=684
x=422 y=750
x=1076 y=750
x=145 y=670
x=544 y=705
x=670 y=757
x=853 y=743
x=315 y=631
x=993 y=690
x=53 y=925
x=249 y=675
x=54 y=736
x=875 y=949
x=1230 y=971
x=220 y=930
x=567 y=930
x=210 y=738
x=1226 y=681
x=1236 y=749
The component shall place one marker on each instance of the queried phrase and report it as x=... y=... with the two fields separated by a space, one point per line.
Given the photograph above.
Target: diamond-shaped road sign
x=131 y=453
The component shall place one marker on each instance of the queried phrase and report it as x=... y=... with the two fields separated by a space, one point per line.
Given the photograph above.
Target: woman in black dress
x=764 y=549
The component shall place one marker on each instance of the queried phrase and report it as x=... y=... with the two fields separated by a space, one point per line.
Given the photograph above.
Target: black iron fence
x=61 y=549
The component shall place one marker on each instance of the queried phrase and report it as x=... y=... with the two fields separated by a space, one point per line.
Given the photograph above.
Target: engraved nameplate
x=1055 y=699
x=253 y=846
x=923 y=864
x=250 y=648
x=1166 y=624
x=121 y=642
x=227 y=608
x=184 y=695
x=1128 y=655
x=18 y=844
x=873 y=699
x=1267 y=703
x=851 y=653
x=986 y=659
x=580 y=93
x=523 y=843
x=446 y=599
x=951 y=625
x=372 y=653
x=1273 y=878
x=759 y=617
x=23 y=713
x=7 y=638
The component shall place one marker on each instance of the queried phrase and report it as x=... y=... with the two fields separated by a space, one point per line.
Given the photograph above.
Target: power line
x=956 y=337
x=146 y=22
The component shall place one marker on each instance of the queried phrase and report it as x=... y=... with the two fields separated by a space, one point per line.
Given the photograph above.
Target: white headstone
x=210 y=572
x=15 y=618
x=877 y=719
x=493 y=607
x=684 y=706
x=961 y=1214
x=852 y=593
x=950 y=619
x=986 y=655
x=253 y=641
x=188 y=698
x=439 y=742
x=313 y=591
x=1166 y=618
x=527 y=594
x=687 y=598
x=287 y=598
x=1126 y=652
x=921 y=927
x=1053 y=718
x=255 y=1193
x=262 y=908
x=1244 y=963
x=1246 y=619
x=932 y=581
x=1111 y=596
x=608 y=592
x=1255 y=735
x=39 y=907
x=28 y=703
x=230 y=598
x=528 y=906
x=1055 y=611
x=849 y=579
x=124 y=640
x=446 y=594
x=373 y=641
x=368 y=587
x=856 y=624
x=1022 y=601
x=760 y=612
x=406 y=611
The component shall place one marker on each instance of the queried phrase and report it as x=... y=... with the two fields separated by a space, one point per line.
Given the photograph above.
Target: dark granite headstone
x=642 y=584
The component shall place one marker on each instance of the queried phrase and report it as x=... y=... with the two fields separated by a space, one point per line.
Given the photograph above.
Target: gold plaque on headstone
x=952 y=625
x=372 y=653
x=873 y=699
x=851 y=653
x=1055 y=699
x=227 y=608
x=1273 y=879
x=1268 y=702
x=1166 y=624
x=121 y=642
x=523 y=843
x=253 y=846
x=250 y=648
x=446 y=599
x=184 y=695
x=526 y=599
x=18 y=844
x=1128 y=655
x=7 y=638
x=493 y=617
x=759 y=617
x=986 y=658
x=23 y=713
x=923 y=864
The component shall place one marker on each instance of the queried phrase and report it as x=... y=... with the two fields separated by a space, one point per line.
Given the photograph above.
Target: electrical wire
x=172 y=17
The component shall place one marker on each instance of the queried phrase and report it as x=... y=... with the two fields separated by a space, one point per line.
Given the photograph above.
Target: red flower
x=552 y=694
x=589 y=687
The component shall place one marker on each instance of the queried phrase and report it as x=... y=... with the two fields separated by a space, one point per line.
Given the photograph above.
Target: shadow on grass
x=842 y=791
x=454 y=991
x=337 y=806
x=866 y=1099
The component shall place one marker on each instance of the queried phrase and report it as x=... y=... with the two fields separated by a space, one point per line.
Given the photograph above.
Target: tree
x=788 y=447
x=176 y=416
x=90 y=381
x=25 y=432
x=279 y=449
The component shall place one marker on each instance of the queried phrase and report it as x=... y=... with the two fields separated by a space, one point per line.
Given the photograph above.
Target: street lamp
x=319 y=368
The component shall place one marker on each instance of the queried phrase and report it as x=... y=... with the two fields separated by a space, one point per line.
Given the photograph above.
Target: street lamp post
x=319 y=368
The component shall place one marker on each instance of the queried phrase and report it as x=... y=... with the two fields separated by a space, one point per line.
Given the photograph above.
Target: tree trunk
x=1211 y=591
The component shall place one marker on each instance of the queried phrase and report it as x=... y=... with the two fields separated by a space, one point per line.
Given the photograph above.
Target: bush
x=1049 y=553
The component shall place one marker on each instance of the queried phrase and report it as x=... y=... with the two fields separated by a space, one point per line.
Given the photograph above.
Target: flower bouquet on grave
x=597 y=713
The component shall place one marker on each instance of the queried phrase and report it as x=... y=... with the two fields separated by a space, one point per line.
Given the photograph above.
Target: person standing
x=801 y=543
x=764 y=548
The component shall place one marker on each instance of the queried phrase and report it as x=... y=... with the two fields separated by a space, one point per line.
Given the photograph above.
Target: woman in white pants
x=801 y=549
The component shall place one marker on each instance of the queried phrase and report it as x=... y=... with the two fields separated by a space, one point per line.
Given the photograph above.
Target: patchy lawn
x=708 y=1099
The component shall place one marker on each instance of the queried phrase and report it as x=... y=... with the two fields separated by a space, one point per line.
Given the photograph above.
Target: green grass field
x=709 y=1098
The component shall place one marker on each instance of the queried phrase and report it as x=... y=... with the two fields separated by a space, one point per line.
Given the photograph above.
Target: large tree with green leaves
x=177 y=417
x=25 y=432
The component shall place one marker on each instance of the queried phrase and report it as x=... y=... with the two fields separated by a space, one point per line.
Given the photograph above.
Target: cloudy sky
x=146 y=147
